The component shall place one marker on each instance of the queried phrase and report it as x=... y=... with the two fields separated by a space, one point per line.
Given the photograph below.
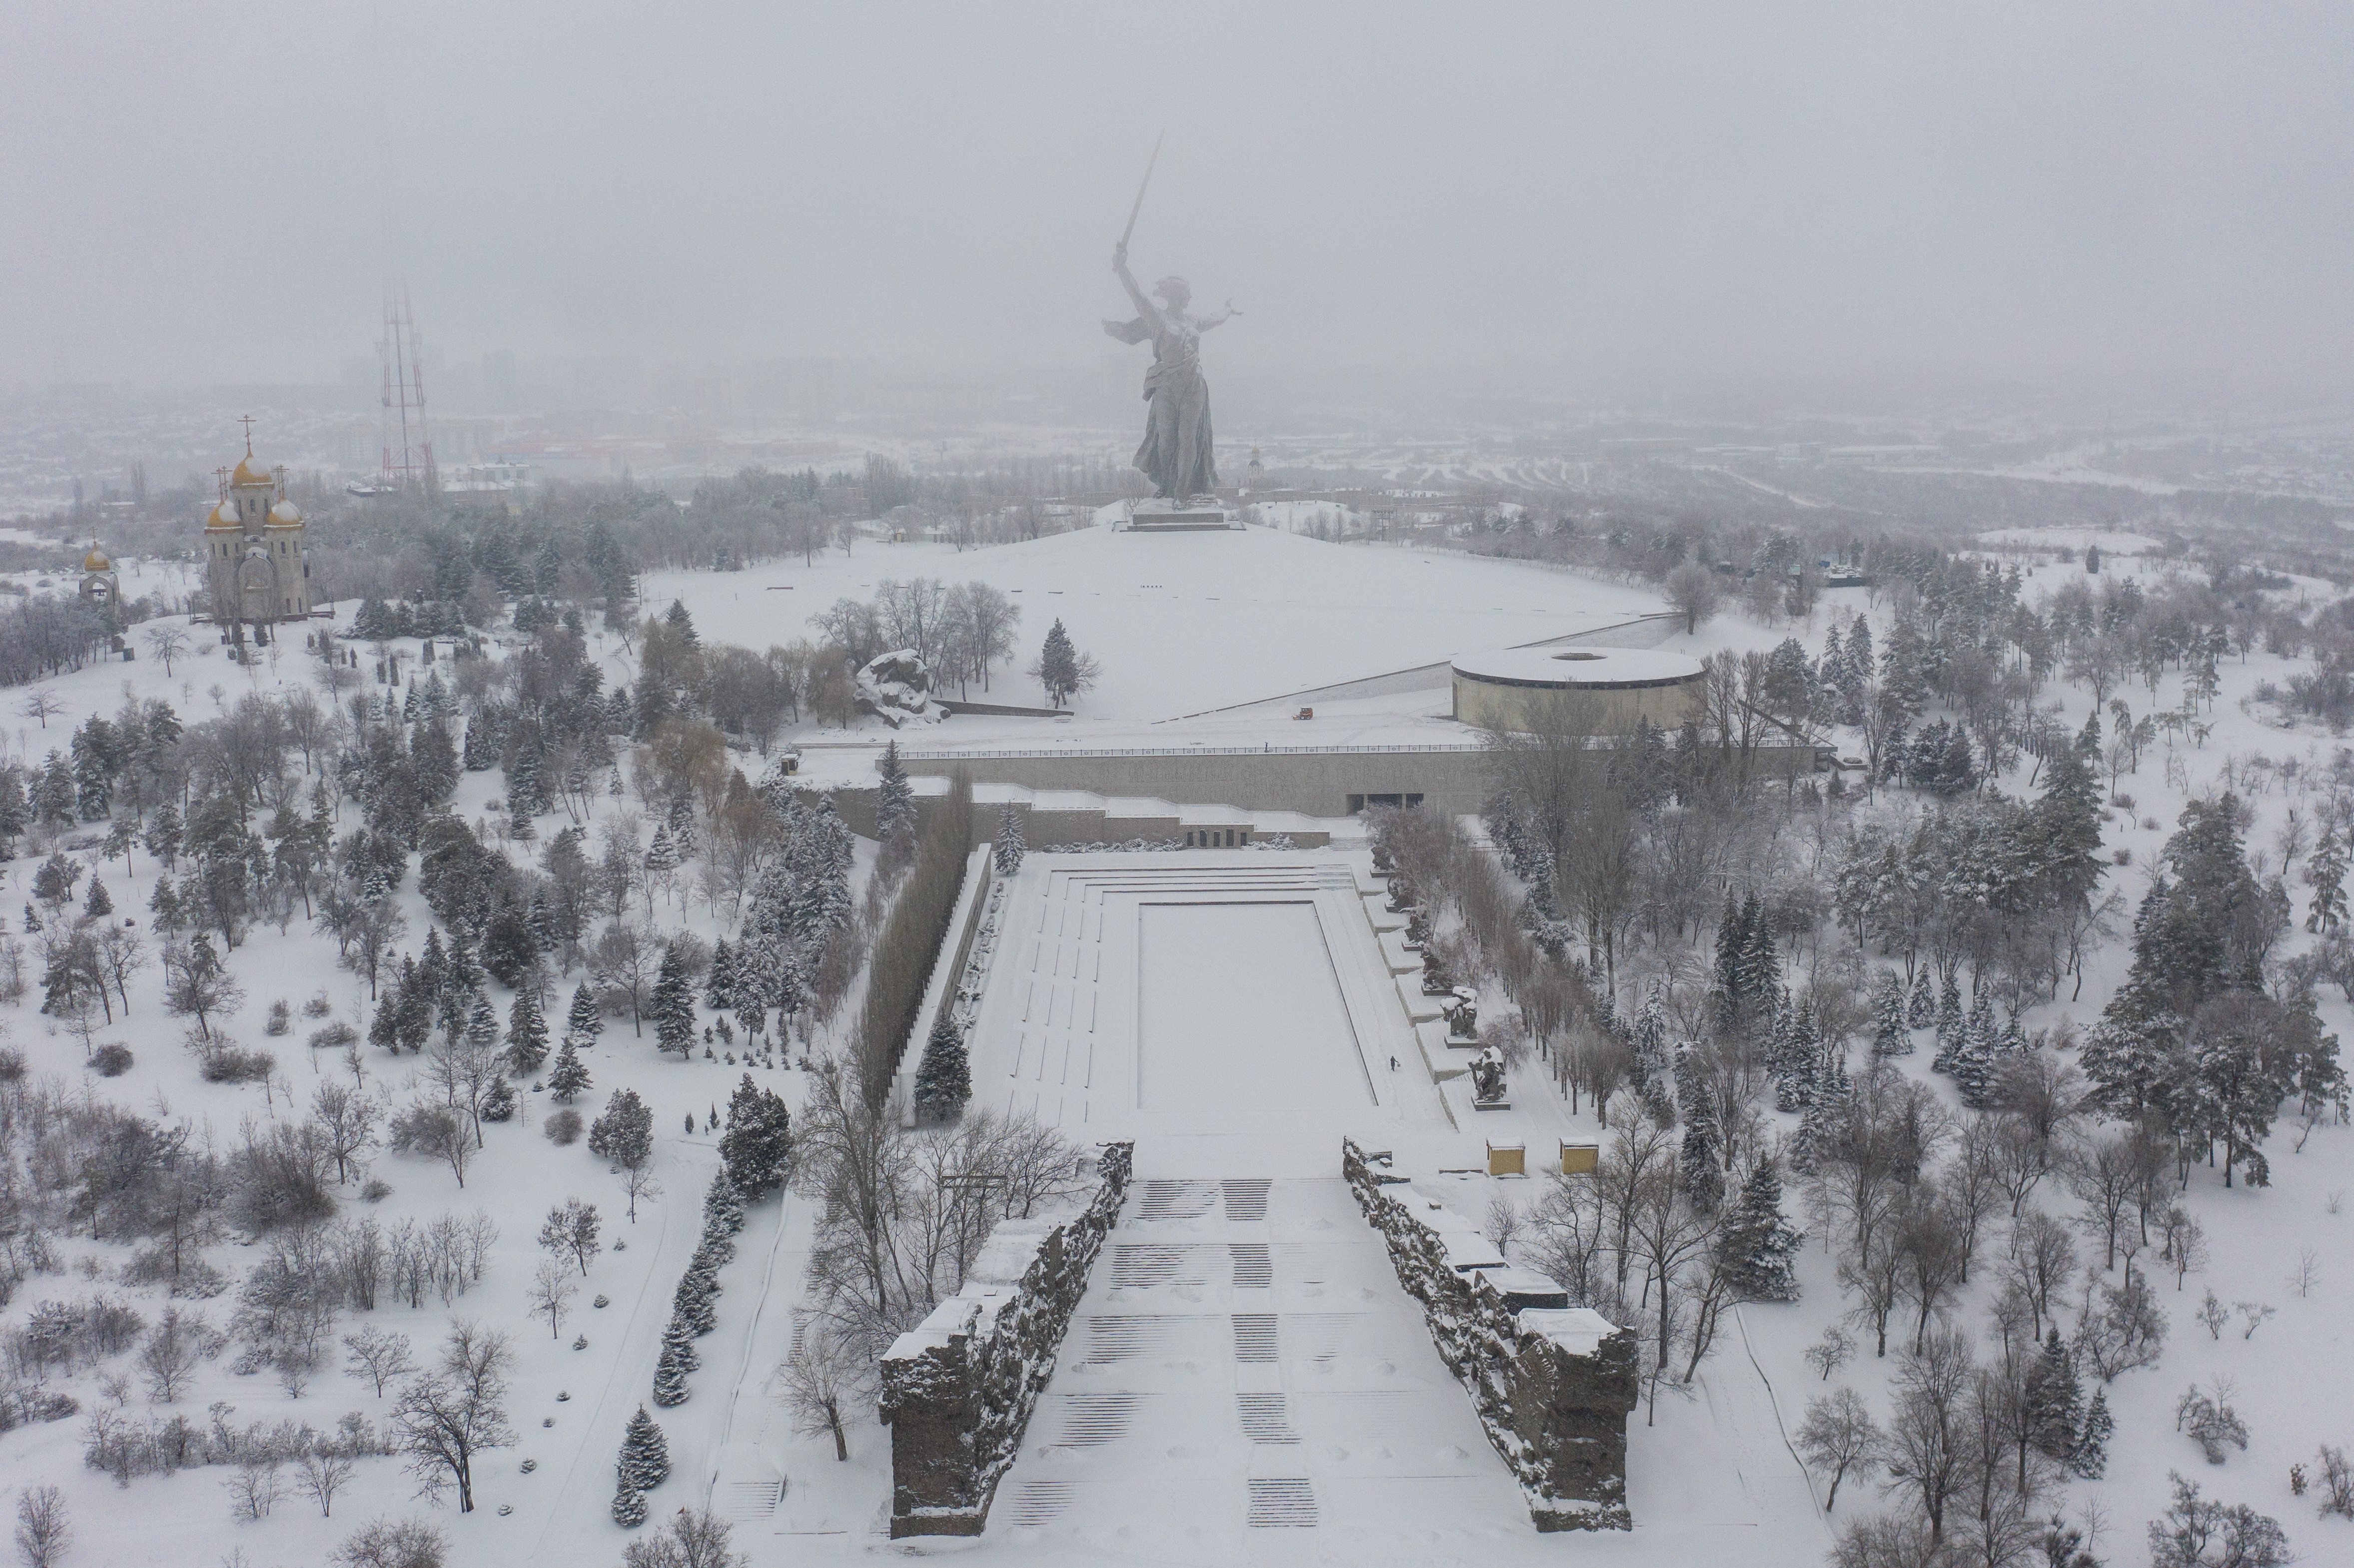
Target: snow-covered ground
x=1262 y=1087
x=1184 y=622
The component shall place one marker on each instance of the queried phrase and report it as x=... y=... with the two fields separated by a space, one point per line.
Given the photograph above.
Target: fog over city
x=1579 y=197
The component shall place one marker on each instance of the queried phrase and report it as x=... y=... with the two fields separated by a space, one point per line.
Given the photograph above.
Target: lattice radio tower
x=408 y=444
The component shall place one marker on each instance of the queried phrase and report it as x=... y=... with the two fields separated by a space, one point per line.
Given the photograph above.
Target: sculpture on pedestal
x=1177 y=450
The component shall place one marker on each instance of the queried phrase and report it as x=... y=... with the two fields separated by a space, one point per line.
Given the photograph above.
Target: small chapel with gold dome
x=254 y=562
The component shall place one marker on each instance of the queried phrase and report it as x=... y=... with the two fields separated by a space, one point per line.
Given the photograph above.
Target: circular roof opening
x=1577 y=655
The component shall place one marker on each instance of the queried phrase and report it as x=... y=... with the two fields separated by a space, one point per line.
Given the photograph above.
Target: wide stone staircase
x=1242 y=1366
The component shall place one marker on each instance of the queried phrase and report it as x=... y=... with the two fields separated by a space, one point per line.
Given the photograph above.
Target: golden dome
x=221 y=517
x=250 y=472
x=96 y=561
x=285 y=515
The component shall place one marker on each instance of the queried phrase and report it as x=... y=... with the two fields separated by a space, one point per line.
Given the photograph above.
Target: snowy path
x=586 y=1496
x=1245 y=1375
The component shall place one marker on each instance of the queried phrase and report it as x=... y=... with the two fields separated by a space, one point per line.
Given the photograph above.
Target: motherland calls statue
x=1176 y=454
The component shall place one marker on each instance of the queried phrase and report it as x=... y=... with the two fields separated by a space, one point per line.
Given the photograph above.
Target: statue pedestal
x=1203 y=514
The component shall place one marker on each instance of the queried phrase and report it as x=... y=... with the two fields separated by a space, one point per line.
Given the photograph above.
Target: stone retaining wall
x=957 y=1390
x=1555 y=1409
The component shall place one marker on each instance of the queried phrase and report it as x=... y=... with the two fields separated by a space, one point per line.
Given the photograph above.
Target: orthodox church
x=253 y=552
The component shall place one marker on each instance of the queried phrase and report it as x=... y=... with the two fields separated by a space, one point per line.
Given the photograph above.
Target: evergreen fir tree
x=1761 y=963
x=681 y=823
x=1704 y=1156
x=629 y=1508
x=673 y=1005
x=698 y=1293
x=678 y=1357
x=384 y=1032
x=944 y=1078
x=757 y=1151
x=2054 y=1401
x=526 y=789
x=1010 y=847
x=509 y=953
x=526 y=1035
x=539 y=919
x=723 y=1202
x=481 y=1024
x=2326 y=873
x=1730 y=941
x=1972 y=1059
x=1058 y=665
x=1949 y=1009
x=2091 y=1459
x=96 y=903
x=644 y=1461
x=662 y=855
x=719 y=985
x=499 y=1102
x=1890 y=1037
x=895 y=800
x=583 y=1022
x=1759 y=1242
x=567 y=1078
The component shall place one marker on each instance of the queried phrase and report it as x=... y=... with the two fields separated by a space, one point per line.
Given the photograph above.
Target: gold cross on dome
x=246 y=420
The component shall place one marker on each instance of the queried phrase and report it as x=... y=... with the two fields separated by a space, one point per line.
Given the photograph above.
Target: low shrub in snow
x=110 y=1061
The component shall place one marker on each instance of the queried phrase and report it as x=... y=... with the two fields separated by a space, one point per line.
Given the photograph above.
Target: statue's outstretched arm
x=1221 y=319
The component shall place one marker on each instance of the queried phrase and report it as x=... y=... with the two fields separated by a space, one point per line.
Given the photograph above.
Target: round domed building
x=254 y=561
x=1576 y=690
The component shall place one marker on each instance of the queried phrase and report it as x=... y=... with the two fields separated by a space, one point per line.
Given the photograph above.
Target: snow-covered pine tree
x=1010 y=849
x=1950 y=1010
x=2054 y=1401
x=583 y=1022
x=2325 y=873
x=2091 y=1457
x=674 y=1364
x=499 y=1102
x=479 y=755
x=96 y=903
x=644 y=1461
x=1971 y=1061
x=679 y=821
x=567 y=1077
x=1759 y=1241
x=1791 y=1060
x=662 y=855
x=526 y=787
x=757 y=1147
x=1760 y=958
x=719 y=985
x=944 y=1078
x=723 y=1207
x=1922 y=1010
x=1890 y=1038
x=526 y=1035
x=539 y=919
x=482 y=1025
x=1703 y=1155
x=673 y=1004
x=629 y=1507
x=1730 y=934
x=895 y=797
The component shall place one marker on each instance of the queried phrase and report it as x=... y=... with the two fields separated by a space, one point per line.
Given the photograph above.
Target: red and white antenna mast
x=408 y=444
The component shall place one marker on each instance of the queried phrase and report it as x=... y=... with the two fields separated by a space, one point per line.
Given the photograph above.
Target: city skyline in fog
x=1559 y=199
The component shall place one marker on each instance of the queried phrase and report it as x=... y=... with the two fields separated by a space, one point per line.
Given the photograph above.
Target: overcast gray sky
x=1658 y=192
